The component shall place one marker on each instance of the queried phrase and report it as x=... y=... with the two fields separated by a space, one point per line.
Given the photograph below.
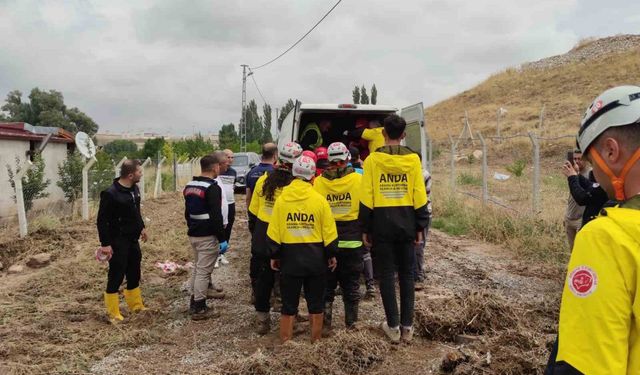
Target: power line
x=299 y=40
x=257 y=88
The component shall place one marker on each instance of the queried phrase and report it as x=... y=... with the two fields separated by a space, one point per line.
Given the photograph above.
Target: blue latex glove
x=224 y=246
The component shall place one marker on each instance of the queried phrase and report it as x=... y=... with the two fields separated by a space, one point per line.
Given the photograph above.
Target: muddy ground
x=52 y=321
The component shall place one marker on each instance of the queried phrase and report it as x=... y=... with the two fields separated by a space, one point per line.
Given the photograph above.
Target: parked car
x=242 y=163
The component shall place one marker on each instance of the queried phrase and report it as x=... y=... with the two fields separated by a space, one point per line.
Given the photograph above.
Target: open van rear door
x=289 y=130
x=416 y=137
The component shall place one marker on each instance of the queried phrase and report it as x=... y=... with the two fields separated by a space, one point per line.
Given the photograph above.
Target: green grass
x=469 y=179
x=528 y=235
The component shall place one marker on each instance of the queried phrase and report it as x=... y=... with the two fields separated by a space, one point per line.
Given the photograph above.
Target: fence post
x=156 y=191
x=536 y=172
x=141 y=184
x=175 y=173
x=485 y=186
x=85 y=188
x=452 y=165
x=22 y=214
x=117 y=168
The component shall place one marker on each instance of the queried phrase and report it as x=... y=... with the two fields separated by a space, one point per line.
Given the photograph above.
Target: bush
x=468 y=179
x=70 y=173
x=101 y=175
x=33 y=183
x=517 y=167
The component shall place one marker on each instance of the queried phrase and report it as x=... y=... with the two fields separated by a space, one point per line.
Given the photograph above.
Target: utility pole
x=243 y=124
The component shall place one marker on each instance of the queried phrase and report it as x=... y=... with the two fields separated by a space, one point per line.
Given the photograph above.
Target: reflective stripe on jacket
x=343 y=195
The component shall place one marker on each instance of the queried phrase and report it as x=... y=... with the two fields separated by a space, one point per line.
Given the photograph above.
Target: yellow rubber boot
x=112 y=303
x=134 y=299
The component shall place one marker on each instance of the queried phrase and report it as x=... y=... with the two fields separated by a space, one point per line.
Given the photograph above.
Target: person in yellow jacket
x=393 y=214
x=340 y=185
x=267 y=189
x=303 y=239
x=370 y=131
x=599 y=329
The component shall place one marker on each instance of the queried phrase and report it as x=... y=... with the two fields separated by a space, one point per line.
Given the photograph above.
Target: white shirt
x=225 y=202
x=227 y=183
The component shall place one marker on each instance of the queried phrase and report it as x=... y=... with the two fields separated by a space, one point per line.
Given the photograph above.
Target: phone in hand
x=570 y=157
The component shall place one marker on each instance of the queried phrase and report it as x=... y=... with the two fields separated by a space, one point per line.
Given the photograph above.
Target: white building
x=16 y=139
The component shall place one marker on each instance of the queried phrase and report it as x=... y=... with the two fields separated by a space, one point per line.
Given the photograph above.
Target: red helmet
x=321 y=153
x=310 y=154
x=362 y=123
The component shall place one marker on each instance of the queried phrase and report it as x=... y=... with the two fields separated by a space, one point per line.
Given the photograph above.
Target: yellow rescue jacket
x=341 y=189
x=302 y=231
x=393 y=196
x=374 y=137
x=599 y=330
x=260 y=210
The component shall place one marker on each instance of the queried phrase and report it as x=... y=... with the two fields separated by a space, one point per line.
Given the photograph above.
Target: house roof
x=21 y=131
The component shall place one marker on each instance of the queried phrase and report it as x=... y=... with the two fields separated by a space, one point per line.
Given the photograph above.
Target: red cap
x=362 y=123
x=310 y=154
x=321 y=153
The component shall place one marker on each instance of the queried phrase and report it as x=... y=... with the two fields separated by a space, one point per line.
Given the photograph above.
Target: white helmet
x=338 y=151
x=289 y=152
x=618 y=106
x=304 y=167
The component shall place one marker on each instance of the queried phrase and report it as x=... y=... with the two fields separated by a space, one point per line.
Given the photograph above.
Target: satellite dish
x=85 y=145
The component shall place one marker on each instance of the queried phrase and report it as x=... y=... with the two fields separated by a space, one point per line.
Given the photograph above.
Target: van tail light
x=347 y=106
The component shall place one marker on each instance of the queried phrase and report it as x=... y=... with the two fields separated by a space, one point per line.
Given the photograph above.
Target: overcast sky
x=175 y=65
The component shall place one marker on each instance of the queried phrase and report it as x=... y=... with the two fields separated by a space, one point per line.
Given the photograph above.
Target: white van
x=343 y=117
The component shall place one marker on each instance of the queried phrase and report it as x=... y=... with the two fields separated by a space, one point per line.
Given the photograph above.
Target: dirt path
x=51 y=319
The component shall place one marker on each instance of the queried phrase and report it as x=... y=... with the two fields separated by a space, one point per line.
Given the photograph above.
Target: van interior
x=340 y=121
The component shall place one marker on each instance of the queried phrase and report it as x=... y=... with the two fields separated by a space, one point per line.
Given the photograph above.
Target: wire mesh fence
x=519 y=173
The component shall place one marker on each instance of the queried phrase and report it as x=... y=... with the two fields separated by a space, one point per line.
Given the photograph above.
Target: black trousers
x=262 y=280
x=347 y=274
x=232 y=219
x=124 y=262
x=314 y=287
x=389 y=257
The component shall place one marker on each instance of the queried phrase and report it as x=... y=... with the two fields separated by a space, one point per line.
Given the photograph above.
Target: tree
x=151 y=148
x=33 y=183
x=284 y=111
x=70 y=173
x=121 y=147
x=253 y=122
x=356 y=95
x=374 y=94
x=46 y=108
x=101 y=175
x=228 y=137
x=167 y=151
x=266 y=133
x=193 y=148
x=364 y=98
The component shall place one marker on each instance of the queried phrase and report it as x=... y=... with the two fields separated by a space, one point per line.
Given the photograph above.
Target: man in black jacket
x=120 y=225
x=203 y=212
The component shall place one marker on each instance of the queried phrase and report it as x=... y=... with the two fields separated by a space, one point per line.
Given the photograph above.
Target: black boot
x=192 y=305
x=350 y=314
x=326 y=318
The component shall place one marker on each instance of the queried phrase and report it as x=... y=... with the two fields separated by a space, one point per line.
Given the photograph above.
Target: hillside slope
x=564 y=84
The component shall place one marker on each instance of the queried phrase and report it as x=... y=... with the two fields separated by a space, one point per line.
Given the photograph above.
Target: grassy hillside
x=565 y=84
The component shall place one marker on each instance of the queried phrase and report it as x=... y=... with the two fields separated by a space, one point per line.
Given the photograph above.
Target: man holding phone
x=574 y=212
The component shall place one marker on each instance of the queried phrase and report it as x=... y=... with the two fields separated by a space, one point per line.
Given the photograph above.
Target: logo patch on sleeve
x=582 y=281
